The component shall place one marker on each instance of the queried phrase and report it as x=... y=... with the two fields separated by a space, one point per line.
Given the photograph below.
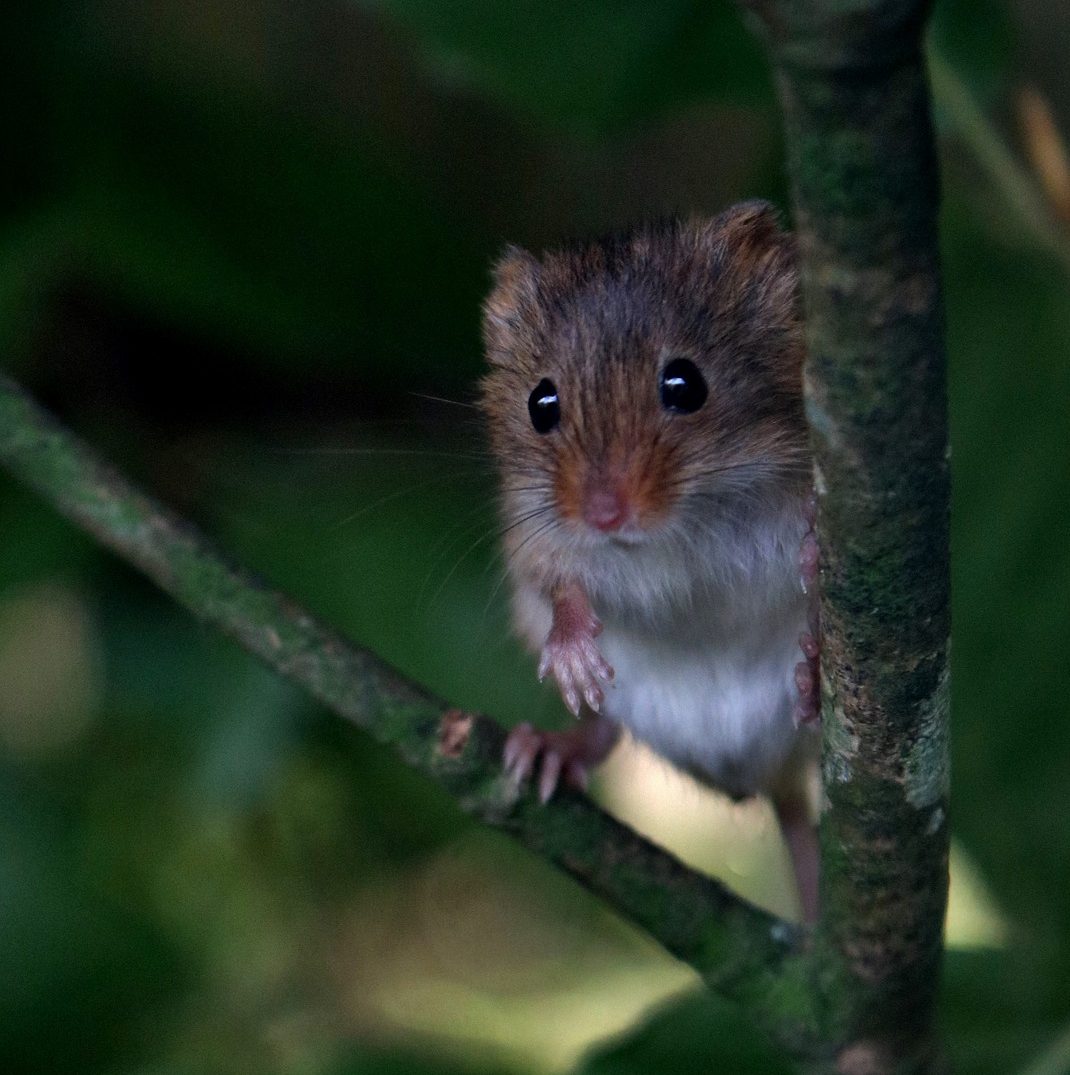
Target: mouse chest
x=715 y=699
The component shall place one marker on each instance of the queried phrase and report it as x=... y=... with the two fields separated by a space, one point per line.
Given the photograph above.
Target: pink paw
x=560 y=754
x=577 y=664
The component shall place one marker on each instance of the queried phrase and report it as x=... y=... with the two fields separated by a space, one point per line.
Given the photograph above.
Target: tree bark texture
x=852 y=84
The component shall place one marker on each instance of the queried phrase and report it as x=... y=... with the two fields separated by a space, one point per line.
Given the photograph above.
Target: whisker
x=449 y=537
x=758 y=468
x=457 y=563
x=534 y=534
x=442 y=399
x=526 y=517
x=543 y=487
x=488 y=536
x=347 y=545
x=395 y=495
x=379 y=502
x=502 y=576
x=435 y=454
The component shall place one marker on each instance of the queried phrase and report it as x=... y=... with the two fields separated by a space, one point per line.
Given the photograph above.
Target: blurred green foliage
x=238 y=246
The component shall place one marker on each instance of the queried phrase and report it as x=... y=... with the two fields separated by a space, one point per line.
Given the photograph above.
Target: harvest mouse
x=645 y=409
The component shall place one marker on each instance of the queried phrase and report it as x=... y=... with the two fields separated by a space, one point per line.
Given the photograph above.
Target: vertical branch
x=852 y=85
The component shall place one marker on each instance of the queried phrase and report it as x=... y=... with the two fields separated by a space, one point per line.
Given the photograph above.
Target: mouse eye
x=544 y=406
x=683 y=388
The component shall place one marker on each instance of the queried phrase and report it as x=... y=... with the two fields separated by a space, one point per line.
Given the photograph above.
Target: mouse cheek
x=653 y=508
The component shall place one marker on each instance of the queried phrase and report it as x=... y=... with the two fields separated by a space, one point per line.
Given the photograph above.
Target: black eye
x=544 y=406
x=683 y=388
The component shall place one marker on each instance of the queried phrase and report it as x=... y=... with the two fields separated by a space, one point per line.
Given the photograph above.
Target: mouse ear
x=754 y=274
x=756 y=221
x=746 y=241
x=516 y=277
x=749 y=231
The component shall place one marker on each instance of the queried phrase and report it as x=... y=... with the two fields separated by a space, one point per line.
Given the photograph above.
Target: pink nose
x=605 y=509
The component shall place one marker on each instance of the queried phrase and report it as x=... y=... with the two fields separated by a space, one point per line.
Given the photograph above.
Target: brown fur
x=667 y=544
x=601 y=319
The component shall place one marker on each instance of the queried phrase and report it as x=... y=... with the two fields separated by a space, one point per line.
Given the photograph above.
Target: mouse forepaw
x=570 y=651
x=806 y=705
x=575 y=661
x=807 y=681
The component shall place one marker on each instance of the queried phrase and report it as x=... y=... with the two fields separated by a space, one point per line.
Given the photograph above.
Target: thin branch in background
x=1046 y=150
x=1023 y=194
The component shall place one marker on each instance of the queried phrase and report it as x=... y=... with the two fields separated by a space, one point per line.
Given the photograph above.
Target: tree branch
x=851 y=80
x=738 y=949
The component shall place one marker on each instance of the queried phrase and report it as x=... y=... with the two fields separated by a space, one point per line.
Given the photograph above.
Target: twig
x=1022 y=194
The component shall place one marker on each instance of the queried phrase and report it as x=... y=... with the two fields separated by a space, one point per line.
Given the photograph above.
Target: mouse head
x=647 y=379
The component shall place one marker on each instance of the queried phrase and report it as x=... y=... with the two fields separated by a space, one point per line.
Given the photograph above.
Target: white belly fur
x=708 y=682
x=721 y=712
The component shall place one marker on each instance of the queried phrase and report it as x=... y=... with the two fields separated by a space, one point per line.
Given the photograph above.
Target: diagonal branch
x=737 y=948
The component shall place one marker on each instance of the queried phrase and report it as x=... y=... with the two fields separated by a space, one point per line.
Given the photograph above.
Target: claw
x=509 y=754
x=572 y=700
x=809 y=559
x=578 y=667
x=551 y=771
x=521 y=749
x=514 y=745
x=806 y=674
x=804 y=713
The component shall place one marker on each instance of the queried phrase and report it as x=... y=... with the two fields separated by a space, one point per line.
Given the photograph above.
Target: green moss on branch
x=852 y=83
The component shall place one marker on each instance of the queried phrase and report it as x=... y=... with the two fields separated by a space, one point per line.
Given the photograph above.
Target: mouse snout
x=606 y=505
x=620 y=499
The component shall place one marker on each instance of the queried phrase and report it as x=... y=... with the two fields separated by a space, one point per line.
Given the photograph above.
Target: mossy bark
x=852 y=83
